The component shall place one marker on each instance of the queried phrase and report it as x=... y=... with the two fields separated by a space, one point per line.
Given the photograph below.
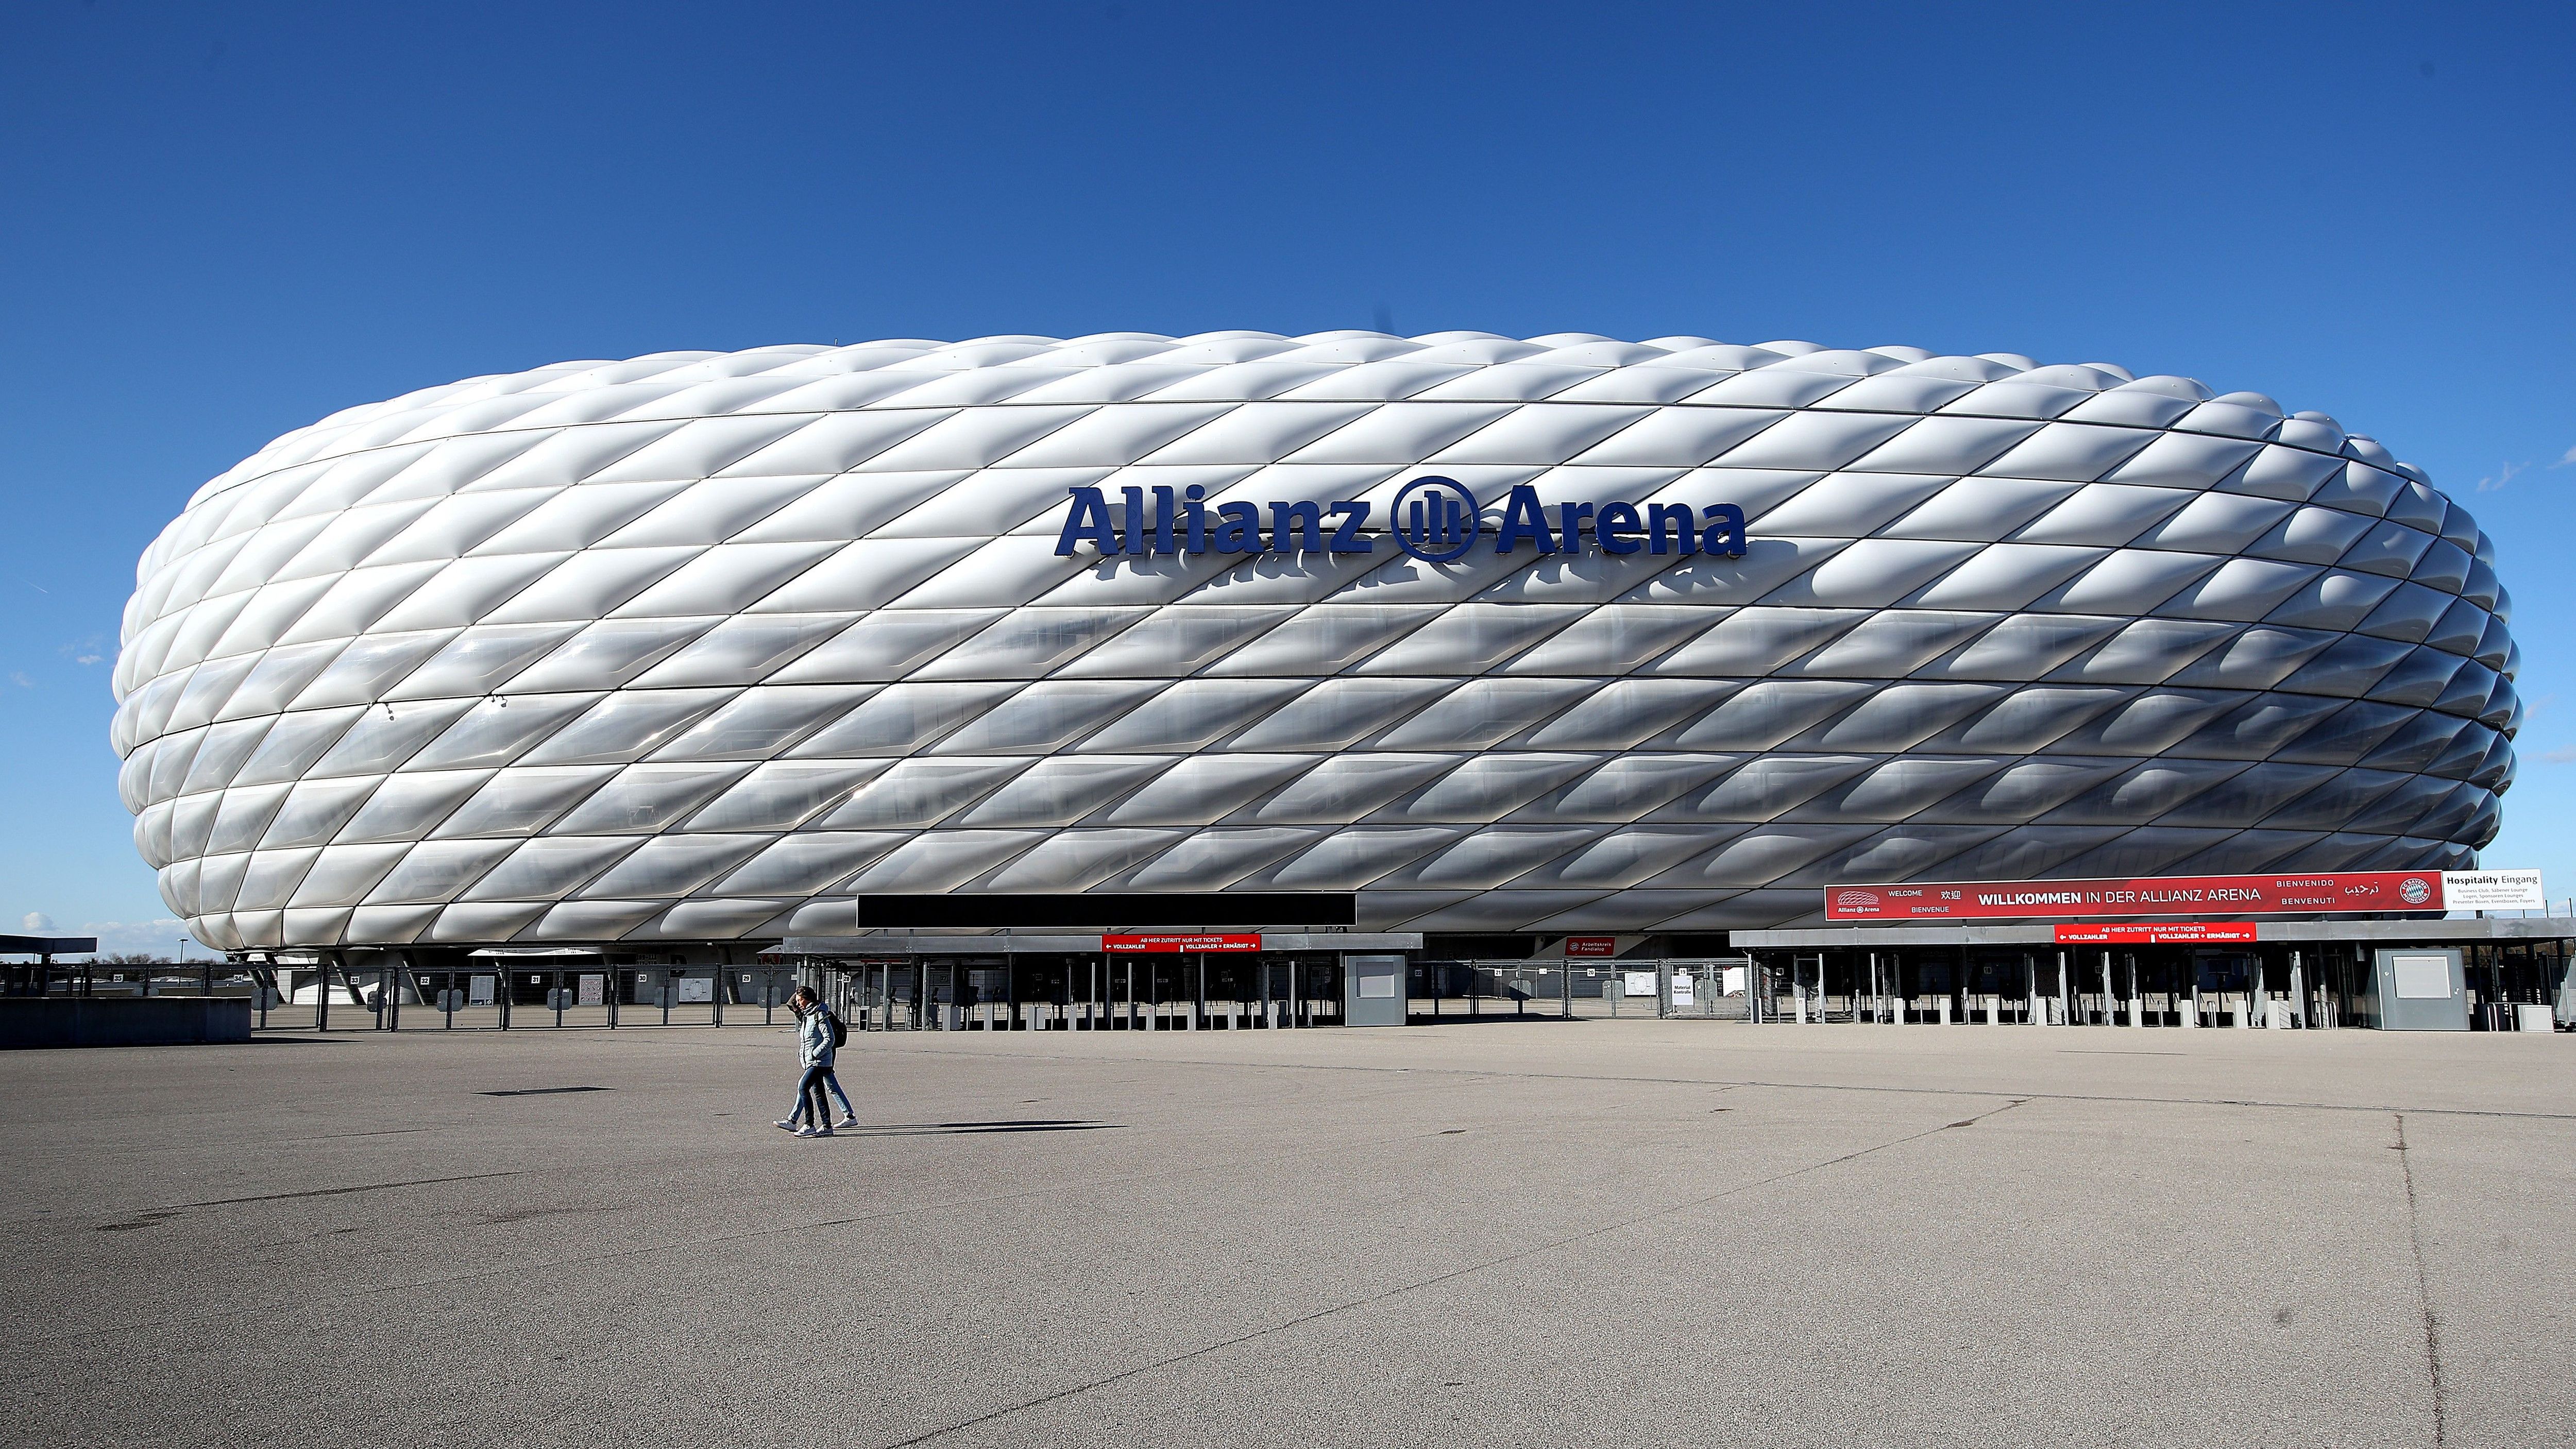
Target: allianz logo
x=1434 y=519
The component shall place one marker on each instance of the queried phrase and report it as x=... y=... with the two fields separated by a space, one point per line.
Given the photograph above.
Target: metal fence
x=1712 y=989
x=391 y=991
x=395 y=995
x=1175 y=992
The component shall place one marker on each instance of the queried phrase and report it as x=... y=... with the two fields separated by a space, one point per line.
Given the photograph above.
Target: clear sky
x=218 y=224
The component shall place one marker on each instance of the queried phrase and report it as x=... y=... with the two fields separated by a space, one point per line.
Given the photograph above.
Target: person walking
x=814 y=1049
x=831 y=1074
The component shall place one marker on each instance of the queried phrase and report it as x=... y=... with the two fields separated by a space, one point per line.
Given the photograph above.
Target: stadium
x=1458 y=644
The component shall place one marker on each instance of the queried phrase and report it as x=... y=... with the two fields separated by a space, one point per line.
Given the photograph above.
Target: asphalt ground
x=1624 y=1233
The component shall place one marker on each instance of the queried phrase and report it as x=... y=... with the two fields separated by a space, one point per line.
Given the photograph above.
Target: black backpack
x=840 y=1033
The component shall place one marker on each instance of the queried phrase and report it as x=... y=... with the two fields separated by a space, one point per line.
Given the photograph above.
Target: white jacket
x=814 y=1038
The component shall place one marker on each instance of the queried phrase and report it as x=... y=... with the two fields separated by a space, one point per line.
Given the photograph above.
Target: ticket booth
x=2417 y=988
x=1373 y=990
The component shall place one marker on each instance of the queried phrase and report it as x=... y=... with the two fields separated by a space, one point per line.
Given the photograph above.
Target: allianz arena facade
x=718 y=648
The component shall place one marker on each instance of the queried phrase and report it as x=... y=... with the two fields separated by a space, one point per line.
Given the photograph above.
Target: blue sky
x=220 y=224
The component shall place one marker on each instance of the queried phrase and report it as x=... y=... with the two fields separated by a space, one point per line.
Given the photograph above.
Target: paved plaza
x=1534 y=1233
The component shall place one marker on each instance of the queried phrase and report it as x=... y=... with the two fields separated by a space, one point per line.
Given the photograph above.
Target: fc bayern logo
x=1434 y=519
x=2413 y=891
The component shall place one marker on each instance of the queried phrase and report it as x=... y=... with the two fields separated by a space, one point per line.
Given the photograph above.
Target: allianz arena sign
x=1433 y=518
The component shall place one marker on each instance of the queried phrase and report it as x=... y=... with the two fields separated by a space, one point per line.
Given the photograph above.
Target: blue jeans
x=809 y=1096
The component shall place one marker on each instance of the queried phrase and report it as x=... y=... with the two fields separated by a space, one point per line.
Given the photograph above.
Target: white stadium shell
x=708 y=647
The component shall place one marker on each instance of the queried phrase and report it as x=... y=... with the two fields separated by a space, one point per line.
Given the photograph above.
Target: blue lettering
x=1087 y=519
x=1725 y=530
x=1307 y=518
x=1525 y=518
x=1675 y=517
x=1136 y=540
x=1194 y=511
x=1570 y=518
x=1438 y=523
x=1238 y=528
x=1616 y=528
x=1346 y=534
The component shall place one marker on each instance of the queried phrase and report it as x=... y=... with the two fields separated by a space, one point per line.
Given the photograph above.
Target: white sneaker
x=808 y=1132
x=786 y=1124
x=847 y=1121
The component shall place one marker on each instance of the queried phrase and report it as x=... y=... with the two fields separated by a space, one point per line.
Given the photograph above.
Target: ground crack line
x=1452 y=1276
x=2424 y=1290
x=333 y=1191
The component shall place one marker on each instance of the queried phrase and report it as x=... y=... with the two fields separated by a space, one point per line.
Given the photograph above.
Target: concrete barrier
x=95 y=1021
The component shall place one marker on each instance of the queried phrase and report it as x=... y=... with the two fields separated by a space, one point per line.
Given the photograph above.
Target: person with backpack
x=819 y=1036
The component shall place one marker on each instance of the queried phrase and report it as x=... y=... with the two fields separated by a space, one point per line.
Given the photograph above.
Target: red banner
x=2156 y=933
x=1177 y=943
x=1591 y=945
x=2180 y=895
